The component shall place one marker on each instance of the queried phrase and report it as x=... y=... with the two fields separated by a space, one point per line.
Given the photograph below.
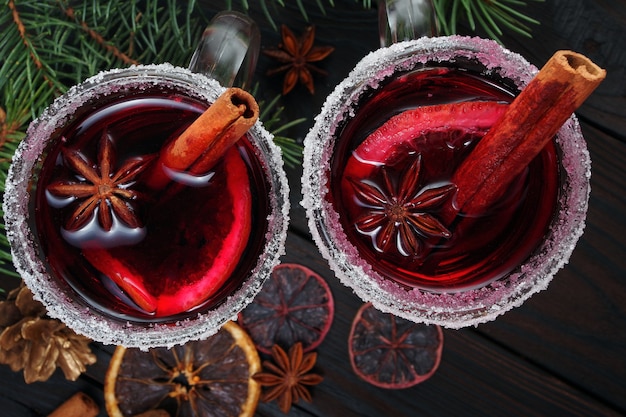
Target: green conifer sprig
x=58 y=44
x=266 y=5
x=490 y=15
x=271 y=114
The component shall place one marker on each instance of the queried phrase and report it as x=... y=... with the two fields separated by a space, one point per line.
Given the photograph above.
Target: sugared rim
x=453 y=310
x=76 y=315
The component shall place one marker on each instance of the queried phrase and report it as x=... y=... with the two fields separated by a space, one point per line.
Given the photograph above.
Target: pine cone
x=37 y=344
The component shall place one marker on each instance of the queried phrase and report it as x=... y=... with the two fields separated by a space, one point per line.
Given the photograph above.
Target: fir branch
x=489 y=15
x=69 y=11
x=265 y=8
x=271 y=117
x=22 y=31
x=25 y=41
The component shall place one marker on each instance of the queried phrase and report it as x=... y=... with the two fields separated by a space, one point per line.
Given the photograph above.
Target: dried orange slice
x=390 y=352
x=295 y=305
x=212 y=377
x=446 y=124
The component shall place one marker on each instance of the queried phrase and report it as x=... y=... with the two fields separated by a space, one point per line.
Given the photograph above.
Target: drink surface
x=182 y=232
x=427 y=253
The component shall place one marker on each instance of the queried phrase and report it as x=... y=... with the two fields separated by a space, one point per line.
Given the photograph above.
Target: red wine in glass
x=180 y=237
x=478 y=250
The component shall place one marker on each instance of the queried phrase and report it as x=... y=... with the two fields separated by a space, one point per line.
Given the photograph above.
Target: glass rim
x=453 y=309
x=75 y=313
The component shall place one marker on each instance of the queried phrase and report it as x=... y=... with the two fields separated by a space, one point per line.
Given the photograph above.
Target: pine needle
x=271 y=116
x=488 y=15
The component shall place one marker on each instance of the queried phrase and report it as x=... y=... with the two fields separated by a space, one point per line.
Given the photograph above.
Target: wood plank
x=18 y=399
x=576 y=328
x=476 y=377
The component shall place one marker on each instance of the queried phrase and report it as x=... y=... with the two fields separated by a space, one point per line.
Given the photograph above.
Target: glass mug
x=112 y=125
x=372 y=204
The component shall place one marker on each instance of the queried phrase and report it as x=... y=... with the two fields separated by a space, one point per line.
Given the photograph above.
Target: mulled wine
x=477 y=248
x=120 y=244
x=177 y=235
x=388 y=201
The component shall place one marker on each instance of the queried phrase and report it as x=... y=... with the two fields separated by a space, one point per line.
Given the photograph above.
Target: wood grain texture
x=575 y=328
x=479 y=375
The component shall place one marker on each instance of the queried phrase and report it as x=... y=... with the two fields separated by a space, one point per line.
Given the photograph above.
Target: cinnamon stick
x=529 y=123
x=78 y=405
x=201 y=145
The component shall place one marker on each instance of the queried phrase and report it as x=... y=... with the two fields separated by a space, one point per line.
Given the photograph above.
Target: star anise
x=99 y=189
x=288 y=376
x=297 y=55
x=399 y=214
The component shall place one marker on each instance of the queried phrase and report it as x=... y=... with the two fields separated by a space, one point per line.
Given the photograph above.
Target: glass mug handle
x=402 y=20
x=228 y=50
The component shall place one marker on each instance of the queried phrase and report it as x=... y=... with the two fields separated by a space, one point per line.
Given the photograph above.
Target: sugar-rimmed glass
x=63 y=302
x=454 y=308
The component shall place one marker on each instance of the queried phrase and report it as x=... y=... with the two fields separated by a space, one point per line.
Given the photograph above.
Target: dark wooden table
x=562 y=353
